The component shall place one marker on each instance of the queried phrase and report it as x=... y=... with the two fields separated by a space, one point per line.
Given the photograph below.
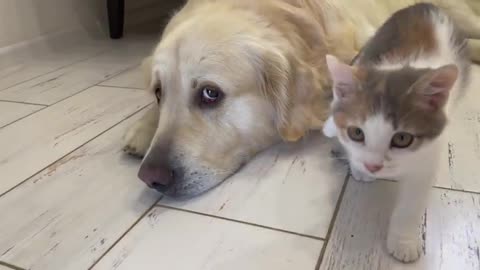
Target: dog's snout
x=156 y=176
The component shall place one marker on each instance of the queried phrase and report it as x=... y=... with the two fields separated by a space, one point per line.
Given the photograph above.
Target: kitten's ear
x=434 y=87
x=343 y=77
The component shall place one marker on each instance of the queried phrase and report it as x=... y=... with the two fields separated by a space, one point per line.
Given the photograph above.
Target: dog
x=231 y=78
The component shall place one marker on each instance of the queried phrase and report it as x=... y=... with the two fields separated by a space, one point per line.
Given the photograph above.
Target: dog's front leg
x=139 y=136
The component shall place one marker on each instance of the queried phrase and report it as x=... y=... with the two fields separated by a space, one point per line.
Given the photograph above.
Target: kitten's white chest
x=329 y=128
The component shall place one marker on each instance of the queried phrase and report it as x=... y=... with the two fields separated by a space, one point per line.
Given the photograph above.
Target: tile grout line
x=25 y=116
x=333 y=221
x=57 y=69
x=121 y=87
x=71 y=64
x=65 y=98
x=21 y=118
x=22 y=102
x=124 y=234
x=18 y=119
x=100 y=84
x=115 y=75
x=457 y=190
x=240 y=221
x=119 y=74
x=8 y=265
x=439 y=187
x=75 y=149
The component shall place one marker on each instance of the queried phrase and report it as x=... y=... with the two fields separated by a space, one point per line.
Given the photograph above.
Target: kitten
x=390 y=109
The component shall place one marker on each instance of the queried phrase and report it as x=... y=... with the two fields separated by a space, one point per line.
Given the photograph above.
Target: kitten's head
x=385 y=118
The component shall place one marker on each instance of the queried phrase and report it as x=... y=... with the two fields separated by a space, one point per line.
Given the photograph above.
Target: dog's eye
x=210 y=95
x=158 y=93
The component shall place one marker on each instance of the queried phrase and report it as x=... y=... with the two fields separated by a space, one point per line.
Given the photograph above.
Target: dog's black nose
x=159 y=187
x=156 y=176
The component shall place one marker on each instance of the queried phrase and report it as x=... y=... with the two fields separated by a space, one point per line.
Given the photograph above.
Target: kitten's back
x=420 y=36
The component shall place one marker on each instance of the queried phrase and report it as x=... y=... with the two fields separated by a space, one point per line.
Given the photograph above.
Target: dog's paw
x=360 y=176
x=137 y=141
x=405 y=249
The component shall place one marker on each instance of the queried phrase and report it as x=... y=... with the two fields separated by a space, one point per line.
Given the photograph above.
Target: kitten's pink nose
x=373 y=168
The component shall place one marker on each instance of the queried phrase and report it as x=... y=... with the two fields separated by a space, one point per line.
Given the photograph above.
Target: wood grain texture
x=2 y=267
x=30 y=145
x=461 y=157
x=357 y=241
x=62 y=83
x=10 y=112
x=69 y=214
x=17 y=67
x=132 y=78
x=169 y=239
x=289 y=187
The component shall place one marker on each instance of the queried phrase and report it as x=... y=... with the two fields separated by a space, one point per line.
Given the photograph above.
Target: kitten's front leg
x=404 y=240
x=360 y=176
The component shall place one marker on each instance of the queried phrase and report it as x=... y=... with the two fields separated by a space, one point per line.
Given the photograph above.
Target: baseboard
x=144 y=16
x=47 y=43
x=154 y=13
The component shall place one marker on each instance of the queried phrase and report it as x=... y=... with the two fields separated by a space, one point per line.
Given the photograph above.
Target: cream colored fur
x=268 y=56
x=351 y=23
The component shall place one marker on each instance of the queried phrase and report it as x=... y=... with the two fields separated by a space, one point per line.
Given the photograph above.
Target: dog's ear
x=290 y=91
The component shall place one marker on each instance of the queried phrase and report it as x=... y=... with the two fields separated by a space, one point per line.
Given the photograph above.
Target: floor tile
x=357 y=241
x=2 y=267
x=169 y=239
x=462 y=154
x=68 y=215
x=33 y=64
x=10 y=112
x=133 y=78
x=33 y=143
x=55 y=86
x=290 y=187
x=453 y=231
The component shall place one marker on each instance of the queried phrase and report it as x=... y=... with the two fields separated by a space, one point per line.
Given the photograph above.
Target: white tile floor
x=70 y=199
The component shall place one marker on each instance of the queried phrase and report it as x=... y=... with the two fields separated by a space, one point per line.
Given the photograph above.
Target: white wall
x=27 y=20
x=23 y=20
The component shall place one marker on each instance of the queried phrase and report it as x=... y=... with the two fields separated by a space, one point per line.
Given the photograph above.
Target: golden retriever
x=233 y=77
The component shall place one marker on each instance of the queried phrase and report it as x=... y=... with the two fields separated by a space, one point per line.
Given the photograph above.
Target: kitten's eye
x=158 y=93
x=356 y=134
x=402 y=140
x=210 y=95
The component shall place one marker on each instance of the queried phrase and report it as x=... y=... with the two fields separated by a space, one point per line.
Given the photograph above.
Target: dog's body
x=351 y=23
x=266 y=61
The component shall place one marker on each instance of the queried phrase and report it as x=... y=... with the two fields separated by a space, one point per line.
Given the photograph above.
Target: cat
x=390 y=109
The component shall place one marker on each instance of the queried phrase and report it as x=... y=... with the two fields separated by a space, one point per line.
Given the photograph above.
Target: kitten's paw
x=360 y=176
x=404 y=249
x=137 y=141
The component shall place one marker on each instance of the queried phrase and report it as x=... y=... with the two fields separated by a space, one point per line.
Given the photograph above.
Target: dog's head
x=226 y=89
